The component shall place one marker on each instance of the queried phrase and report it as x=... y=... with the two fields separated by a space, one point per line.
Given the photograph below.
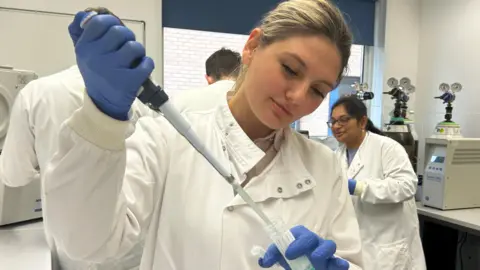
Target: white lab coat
x=385 y=205
x=170 y=194
x=204 y=98
x=32 y=138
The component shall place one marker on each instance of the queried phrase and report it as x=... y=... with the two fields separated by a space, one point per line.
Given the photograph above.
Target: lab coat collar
x=225 y=82
x=72 y=79
x=285 y=177
x=244 y=151
x=276 y=138
x=74 y=68
x=357 y=163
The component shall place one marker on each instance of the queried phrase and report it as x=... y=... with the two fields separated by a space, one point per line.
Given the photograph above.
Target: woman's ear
x=364 y=122
x=252 y=43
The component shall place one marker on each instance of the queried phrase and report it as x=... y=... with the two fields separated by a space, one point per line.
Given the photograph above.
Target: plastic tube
x=282 y=237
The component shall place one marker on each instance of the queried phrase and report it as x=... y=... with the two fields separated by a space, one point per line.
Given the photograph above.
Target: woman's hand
x=320 y=252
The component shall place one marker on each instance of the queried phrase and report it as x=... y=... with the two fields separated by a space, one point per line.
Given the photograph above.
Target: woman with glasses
x=383 y=185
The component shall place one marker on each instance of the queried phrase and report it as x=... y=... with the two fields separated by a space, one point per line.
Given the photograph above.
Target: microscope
x=361 y=91
x=401 y=128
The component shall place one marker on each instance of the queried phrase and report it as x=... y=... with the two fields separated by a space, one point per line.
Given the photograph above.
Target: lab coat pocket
x=394 y=256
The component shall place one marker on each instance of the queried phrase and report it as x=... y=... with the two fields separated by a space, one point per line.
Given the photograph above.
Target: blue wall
x=241 y=16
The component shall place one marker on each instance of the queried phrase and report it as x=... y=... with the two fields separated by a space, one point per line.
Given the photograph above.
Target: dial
x=456 y=87
x=392 y=82
x=444 y=87
x=404 y=82
x=410 y=89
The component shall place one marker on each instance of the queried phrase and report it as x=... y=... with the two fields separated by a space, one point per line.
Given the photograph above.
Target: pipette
x=156 y=99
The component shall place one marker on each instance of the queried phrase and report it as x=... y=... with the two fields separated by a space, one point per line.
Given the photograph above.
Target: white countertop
x=24 y=247
x=469 y=218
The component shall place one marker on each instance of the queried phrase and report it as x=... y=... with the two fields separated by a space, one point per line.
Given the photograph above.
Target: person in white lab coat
x=222 y=69
x=32 y=137
x=383 y=185
x=122 y=184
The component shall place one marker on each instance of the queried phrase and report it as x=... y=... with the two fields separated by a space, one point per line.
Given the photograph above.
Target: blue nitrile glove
x=351 y=186
x=74 y=28
x=105 y=53
x=320 y=252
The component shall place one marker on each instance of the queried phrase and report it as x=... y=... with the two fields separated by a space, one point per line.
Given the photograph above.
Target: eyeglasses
x=342 y=121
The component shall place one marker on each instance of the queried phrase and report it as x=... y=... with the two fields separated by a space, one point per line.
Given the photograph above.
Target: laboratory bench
x=24 y=247
x=444 y=234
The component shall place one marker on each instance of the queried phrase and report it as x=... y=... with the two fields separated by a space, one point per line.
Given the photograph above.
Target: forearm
x=389 y=190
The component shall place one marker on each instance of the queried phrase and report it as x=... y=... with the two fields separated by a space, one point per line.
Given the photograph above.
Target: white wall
x=186 y=52
x=449 y=52
x=149 y=11
x=400 y=47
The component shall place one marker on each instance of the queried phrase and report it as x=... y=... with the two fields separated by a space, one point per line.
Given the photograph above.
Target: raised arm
x=96 y=207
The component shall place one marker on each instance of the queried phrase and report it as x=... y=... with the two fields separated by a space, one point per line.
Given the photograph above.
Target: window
x=185 y=53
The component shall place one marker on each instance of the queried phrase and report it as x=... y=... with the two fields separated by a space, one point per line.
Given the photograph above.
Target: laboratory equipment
x=448 y=128
x=21 y=203
x=156 y=99
x=361 y=91
x=400 y=92
x=401 y=128
x=452 y=167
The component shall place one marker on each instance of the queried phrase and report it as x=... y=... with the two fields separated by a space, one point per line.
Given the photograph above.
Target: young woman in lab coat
x=383 y=185
x=111 y=183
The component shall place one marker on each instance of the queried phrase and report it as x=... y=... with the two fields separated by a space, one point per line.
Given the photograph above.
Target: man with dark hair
x=223 y=64
x=223 y=68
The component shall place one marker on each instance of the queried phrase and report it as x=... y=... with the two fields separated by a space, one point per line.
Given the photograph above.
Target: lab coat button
x=230 y=208
x=280 y=190
x=299 y=185
x=308 y=182
x=224 y=148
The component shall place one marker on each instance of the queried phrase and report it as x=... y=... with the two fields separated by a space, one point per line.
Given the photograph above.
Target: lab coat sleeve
x=344 y=229
x=18 y=161
x=96 y=207
x=399 y=183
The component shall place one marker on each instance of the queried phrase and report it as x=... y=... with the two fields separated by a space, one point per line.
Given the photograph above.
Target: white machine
x=451 y=174
x=23 y=203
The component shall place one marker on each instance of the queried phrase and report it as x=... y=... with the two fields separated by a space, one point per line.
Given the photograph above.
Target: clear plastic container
x=281 y=236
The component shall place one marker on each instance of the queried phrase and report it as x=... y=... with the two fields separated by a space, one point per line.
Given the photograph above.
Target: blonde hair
x=305 y=17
